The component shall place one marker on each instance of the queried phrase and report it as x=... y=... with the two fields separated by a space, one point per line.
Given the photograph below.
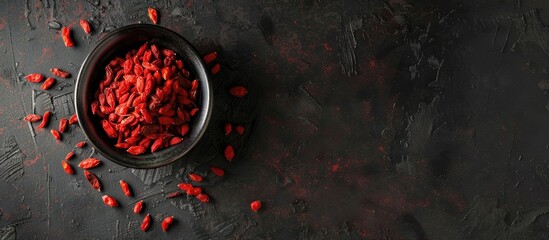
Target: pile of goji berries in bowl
x=143 y=96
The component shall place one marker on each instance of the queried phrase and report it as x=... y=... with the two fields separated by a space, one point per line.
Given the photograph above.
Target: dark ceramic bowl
x=116 y=44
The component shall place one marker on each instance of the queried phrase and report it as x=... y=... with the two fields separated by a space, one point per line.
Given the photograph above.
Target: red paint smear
x=328 y=47
x=329 y=68
x=79 y=10
x=6 y=214
x=47 y=54
x=372 y=63
x=334 y=168
x=29 y=163
x=2 y=23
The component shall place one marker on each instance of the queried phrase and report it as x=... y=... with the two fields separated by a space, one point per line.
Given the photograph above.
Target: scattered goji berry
x=69 y=156
x=210 y=57
x=81 y=144
x=110 y=201
x=48 y=83
x=239 y=129
x=73 y=119
x=238 y=91
x=203 y=197
x=85 y=26
x=56 y=134
x=92 y=179
x=153 y=15
x=146 y=223
x=63 y=125
x=229 y=153
x=215 y=69
x=195 y=177
x=32 y=118
x=166 y=223
x=138 y=206
x=228 y=129
x=255 y=205
x=60 y=73
x=67 y=167
x=194 y=191
x=35 y=77
x=45 y=120
x=185 y=186
x=89 y=163
x=125 y=188
x=218 y=171
x=66 y=34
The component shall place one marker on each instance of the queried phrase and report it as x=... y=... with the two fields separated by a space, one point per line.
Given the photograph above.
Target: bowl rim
x=208 y=102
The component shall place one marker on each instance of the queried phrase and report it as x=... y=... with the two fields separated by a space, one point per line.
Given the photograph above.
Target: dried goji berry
x=69 y=156
x=239 y=129
x=55 y=134
x=66 y=34
x=153 y=15
x=218 y=171
x=125 y=188
x=35 y=78
x=110 y=201
x=48 y=83
x=210 y=57
x=229 y=153
x=81 y=144
x=146 y=223
x=148 y=87
x=185 y=186
x=194 y=191
x=255 y=205
x=138 y=206
x=45 y=120
x=157 y=144
x=215 y=69
x=109 y=129
x=175 y=140
x=184 y=129
x=228 y=128
x=203 y=197
x=92 y=179
x=67 y=167
x=32 y=118
x=238 y=91
x=60 y=73
x=73 y=119
x=122 y=145
x=166 y=223
x=193 y=112
x=195 y=177
x=85 y=26
x=89 y=163
x=136 y=150
x=63 y=125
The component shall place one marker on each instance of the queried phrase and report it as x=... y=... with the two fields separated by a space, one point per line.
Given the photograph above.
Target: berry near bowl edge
x=115 y=44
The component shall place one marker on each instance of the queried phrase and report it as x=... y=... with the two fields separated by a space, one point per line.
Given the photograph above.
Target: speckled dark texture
x=393 y=119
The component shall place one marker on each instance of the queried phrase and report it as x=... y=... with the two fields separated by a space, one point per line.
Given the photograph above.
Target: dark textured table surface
x=381 y=119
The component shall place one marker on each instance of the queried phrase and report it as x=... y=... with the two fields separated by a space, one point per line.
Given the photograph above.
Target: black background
x=393 y=119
